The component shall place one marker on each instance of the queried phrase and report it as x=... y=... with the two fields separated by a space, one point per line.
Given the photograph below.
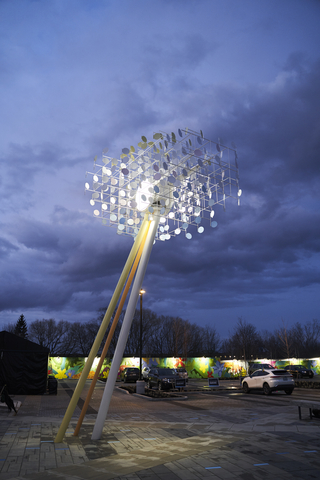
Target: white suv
x=269 y=380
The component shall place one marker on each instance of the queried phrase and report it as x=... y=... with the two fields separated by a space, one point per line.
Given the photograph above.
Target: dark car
x=130 y=374
x=182 y=372
x=299 y=371
x=162 y=378
x=258 y=366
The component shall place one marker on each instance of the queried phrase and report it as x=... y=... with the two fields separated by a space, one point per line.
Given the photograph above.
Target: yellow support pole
x=103 y=327
x=110 y=335
x=125 y=328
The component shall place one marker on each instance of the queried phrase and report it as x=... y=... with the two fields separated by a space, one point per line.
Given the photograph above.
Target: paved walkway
x=208 y=436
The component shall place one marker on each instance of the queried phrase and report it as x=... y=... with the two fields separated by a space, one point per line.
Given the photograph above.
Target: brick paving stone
x=168 y=476
x=201 y=472
x=221 y=473
x=160 y=469
x=184 y=447
x=174 y=466
x=185 y=475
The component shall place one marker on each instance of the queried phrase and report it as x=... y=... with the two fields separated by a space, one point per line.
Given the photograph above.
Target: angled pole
x=103 y=327
x=111 y=333
x=117 y=358
x=140 y=346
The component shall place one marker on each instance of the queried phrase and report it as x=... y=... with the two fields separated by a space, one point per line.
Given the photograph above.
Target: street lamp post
x=141 y=294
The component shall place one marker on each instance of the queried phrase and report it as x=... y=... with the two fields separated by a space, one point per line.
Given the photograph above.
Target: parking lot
x=218 y=433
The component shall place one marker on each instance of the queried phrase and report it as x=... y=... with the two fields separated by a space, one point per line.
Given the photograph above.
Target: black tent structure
x=23 y=365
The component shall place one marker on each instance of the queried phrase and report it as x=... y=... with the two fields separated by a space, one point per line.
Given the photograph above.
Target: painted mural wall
x=199 y=367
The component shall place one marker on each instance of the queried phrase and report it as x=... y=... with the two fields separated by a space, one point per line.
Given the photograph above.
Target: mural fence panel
x=198 y=367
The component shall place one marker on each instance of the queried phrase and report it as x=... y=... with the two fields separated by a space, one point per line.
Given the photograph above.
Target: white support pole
x=118 y=355
x=103 y=327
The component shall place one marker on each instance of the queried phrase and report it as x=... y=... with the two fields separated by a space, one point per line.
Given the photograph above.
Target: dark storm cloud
x=23 y=164
x=265 y=246
x=6 y=248
x=279 y=127
x=76 y=252
x=244 y=249
x=272 y=242
x=36 y=236
x=180 y=54
x=82 y=77
x=54 y=263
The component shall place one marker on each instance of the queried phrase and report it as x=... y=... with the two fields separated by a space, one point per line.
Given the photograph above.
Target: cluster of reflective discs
x=179 y=177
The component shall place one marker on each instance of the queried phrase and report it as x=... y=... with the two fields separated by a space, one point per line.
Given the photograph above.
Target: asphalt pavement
x=216 y=434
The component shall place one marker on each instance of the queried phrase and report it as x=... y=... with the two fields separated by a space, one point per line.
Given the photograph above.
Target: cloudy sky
x=81 y=75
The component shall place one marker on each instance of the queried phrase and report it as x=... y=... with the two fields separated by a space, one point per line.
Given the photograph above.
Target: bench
x=306 y=404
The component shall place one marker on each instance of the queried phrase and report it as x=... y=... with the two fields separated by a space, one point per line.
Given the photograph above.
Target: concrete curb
x=145 y=397
x=122 y=390
x=202 y=391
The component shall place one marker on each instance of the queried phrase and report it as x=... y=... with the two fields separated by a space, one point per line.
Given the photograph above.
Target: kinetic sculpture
x=179 y=178
x=167 y=187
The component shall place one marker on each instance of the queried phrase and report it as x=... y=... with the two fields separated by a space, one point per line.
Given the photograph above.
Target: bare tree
x=194 y=340
x=49 y=333
x=149 y=327
x=9 y=327
x=271 y=346
x=91 y=329
x=245 y=341
x=158 y=344
x=210 y=341
x=297 y=340
x=286 y=339
x=312 y=337
x=80 y=343
x=176 y=336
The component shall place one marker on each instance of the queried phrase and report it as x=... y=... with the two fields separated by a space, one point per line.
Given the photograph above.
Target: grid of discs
x=180 y=177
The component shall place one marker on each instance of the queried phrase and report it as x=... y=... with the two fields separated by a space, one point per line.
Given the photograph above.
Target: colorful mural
x=71 y=367
x=197 y=367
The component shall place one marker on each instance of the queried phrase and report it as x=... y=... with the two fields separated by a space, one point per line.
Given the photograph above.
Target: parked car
x=258 y=366
x=299 y=371
x=182 y=372
x=162 y=378
x=269 y=380
x=130 y=374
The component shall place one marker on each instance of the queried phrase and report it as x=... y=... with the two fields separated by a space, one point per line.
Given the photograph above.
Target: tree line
x=298 y=341
x=173 y=336
x=161 y=336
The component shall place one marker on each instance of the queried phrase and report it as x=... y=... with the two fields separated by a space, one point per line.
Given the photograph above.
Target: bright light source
x=179 y=177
